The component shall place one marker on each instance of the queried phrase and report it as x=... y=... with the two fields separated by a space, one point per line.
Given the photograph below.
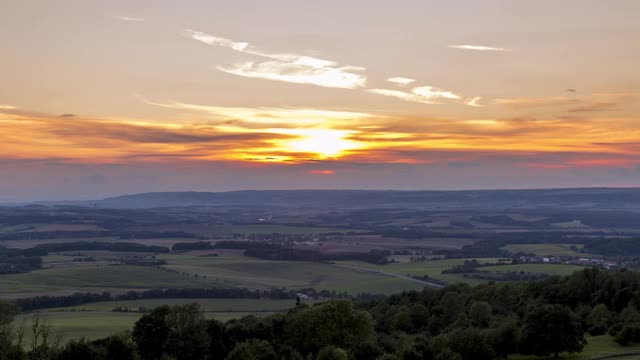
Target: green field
x=68 y=277
x=97 y=320
x=597 y=347
x=208 y=305
x=224 y=271
x=545 y=249
x=95 y=279
x=255 y=273
x=432 y=268
x=90 y=324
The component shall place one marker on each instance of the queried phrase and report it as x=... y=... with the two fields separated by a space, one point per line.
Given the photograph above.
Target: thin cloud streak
x=129 y=18
x=330 y=77
x=474 y=102
x=477 y=48
x=292 y=68
x=400 y=80
x=422 y=94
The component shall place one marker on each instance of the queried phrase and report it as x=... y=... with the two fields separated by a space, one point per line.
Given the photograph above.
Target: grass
x=545 y=249
x=90 y=325
x=94 y=278
x=266 y=274
x=98 y=324
x=224 y=271
x=219 y=271
x=597 y=346
x=432 y=268
x=96 y=320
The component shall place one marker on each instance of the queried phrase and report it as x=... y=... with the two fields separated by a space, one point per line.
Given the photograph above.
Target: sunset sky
x=101 y=98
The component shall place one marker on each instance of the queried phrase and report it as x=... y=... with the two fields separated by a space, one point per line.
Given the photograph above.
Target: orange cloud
x=275 y=136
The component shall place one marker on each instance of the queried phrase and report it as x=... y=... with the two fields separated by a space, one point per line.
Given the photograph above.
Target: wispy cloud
x=288 y=67
x=421 y=94
x=129 y=18
x=326 y=76
x=7 y=107
x=219 y=41
x=477 y=48
x=474 y=102
x=400 y=80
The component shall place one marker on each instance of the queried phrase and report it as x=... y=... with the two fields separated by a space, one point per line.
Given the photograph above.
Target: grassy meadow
x=90 y=278
x=97 y=320
x=63 y=276
x=256 y=273
x=546 y=249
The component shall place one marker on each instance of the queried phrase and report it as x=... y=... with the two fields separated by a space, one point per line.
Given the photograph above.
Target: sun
x=325 y=143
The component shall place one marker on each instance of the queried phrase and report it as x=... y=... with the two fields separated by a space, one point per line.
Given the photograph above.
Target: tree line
x=46 y=301
x=458 y=322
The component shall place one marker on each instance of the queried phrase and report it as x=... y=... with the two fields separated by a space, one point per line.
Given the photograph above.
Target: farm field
x=97 y=320
x=256 y=273
x=546 y=249
x=75 y=325
x=432 y=268
x=94 y=279
x=63 y=276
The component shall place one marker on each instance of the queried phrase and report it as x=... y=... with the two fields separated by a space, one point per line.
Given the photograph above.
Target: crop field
x=546 y=249
x=432 y=268
x=63 y=276
x=94 y=279
x=90 y=324
x=266 y=274
x=97 y=324
x=97 y=320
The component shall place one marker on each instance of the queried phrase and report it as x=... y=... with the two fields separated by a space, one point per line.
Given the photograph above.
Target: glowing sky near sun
x=103 y=98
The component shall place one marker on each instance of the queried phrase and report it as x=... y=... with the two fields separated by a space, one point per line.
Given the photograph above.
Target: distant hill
x=586 y=198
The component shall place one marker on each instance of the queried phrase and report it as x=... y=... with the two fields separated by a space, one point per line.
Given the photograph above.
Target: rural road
x=392 y=274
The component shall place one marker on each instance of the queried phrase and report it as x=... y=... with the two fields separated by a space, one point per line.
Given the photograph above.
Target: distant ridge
x=575 y=198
